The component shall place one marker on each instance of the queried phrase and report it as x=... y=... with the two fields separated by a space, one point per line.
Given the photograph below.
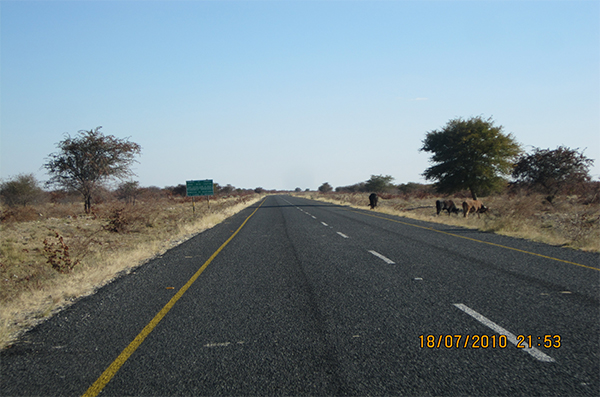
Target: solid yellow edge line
x=480 y=241
x=110 y=372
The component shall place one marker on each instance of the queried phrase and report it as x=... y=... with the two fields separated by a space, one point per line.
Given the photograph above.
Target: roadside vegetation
x=53 y=252
x=571 y=221
x=546 y=195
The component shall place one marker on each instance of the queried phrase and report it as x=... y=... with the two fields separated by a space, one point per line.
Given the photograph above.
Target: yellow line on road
x=110 y=372
x=479 y=241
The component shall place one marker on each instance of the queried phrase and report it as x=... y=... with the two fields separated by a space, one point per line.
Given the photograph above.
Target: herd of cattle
x=468 y=206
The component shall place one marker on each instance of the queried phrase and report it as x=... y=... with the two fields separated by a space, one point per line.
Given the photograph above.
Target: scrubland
x=569 y=221
x=52 y=254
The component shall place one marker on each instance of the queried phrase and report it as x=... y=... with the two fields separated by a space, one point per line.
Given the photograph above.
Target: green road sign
x=199 y=188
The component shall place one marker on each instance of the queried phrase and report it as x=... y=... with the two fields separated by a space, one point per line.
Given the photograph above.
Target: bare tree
x=85 y=162
x=553 y=171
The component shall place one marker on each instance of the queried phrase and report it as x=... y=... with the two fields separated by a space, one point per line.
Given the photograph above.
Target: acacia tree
x=379 y=183
x=552 y=171
x=325 y=188
x=471 y=154
x=85 y=162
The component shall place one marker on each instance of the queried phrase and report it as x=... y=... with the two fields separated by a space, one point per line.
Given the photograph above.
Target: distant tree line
x=475 y=155
x=84 y=167
x=380 y=184
x=25 y=190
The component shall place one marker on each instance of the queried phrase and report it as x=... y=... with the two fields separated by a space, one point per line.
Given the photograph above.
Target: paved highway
x=294 y=296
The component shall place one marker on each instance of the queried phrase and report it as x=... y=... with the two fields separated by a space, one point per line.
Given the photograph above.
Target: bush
x=118 y=221
x=325 y=188
x=58 y=255
x=21 y=190
x=19 y=214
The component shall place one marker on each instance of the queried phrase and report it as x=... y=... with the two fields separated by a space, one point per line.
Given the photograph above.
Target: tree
x=552 y=171
x=85 y=162
x=379 y=183
x=470 y=154
x=326 y=187
x=20 y=190
x=227 y=189
x=179 y=190
x=128 y=191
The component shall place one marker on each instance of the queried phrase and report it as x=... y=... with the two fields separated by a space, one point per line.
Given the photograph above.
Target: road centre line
x=510 y=336
x=323 y=223
x=111 y=371
x=479 y=241
x=386 y=260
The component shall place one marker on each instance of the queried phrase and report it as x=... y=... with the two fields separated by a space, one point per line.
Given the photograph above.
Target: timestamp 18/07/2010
x=458 y=341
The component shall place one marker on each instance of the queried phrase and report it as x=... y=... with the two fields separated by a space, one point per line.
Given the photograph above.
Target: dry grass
x=568 y=222
x=114 y=239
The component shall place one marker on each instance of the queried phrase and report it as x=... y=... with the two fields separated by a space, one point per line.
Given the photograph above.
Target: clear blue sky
x=286 y=94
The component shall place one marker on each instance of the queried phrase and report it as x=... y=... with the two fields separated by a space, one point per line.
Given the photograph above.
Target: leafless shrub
x=118 y=221
x=58 y=255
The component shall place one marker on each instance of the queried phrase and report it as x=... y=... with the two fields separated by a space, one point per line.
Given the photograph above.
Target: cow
x=473 y=207
x=373 y=200
x=447 y=205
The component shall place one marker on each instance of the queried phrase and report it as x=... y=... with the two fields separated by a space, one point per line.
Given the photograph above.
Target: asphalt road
x=305 y=297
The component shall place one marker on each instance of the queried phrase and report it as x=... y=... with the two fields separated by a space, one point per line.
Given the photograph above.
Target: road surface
x=293 y=296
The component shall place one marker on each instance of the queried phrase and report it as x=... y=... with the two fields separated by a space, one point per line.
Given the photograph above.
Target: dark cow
x=373 y=200
x=447 y=205
x=473 y=207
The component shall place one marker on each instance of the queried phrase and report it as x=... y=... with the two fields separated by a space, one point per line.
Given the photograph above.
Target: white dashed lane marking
x=325 y=224
x=386 y=260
